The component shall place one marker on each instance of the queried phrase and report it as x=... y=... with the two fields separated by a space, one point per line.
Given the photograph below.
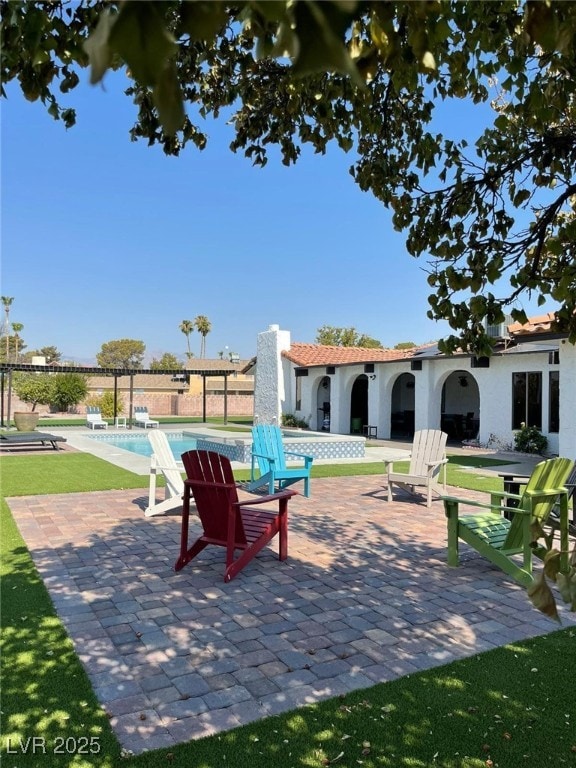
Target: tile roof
x=537 y=324
x=309 y=355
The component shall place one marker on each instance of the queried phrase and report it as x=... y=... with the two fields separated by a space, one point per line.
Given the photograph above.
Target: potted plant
x=26 y=421
x=31 y=388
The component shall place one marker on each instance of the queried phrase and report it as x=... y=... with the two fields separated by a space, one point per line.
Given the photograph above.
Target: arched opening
x=402 y=407
x=359 y=405
x=323 y=405
x=460 y=412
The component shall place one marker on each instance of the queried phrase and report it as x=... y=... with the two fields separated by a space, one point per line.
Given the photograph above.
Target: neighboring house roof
x=249 y=368
x=208 y=364
x=310 y=355
x=141 y=381
x=535 y=325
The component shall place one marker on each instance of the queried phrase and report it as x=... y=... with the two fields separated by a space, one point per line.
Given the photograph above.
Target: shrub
x=289 y=420
x=68 y=389
x=530 y=440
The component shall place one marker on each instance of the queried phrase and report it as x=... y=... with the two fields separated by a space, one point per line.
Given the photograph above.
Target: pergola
x=6 y=370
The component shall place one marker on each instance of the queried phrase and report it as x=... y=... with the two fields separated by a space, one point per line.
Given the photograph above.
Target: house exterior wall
x=567 y=435
x=489 y=388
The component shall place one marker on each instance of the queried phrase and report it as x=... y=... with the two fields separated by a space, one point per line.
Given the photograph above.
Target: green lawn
x=512 y=706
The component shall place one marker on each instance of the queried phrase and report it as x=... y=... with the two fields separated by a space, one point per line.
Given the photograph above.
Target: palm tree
x=187 y=326
x=7 y=302
x=17 y=328
x=203 y=326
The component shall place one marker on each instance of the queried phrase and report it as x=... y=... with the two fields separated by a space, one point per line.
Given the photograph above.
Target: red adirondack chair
x=226 y=521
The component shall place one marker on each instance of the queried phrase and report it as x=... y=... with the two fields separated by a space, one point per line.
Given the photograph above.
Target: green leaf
x=552 y=564
x=542 y=598
x=98 y=48
x=140 y=37
x=521 y=197
x=428 y=62
x=320 y=29
x=202 y=20
x=541 y=24
x=168 y=100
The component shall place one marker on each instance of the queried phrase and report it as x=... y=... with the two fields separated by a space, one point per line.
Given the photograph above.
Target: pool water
x=142 y=446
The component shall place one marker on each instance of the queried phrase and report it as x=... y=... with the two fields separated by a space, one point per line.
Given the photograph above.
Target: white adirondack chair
x=162 y=460
x=427 y=461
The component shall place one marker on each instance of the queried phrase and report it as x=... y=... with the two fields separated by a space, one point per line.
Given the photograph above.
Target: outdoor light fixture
x=463 y=381
x=372 y=377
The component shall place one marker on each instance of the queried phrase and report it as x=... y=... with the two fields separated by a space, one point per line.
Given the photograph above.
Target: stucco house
x=530 y=378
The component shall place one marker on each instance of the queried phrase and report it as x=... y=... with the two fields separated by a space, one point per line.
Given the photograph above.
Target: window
x=554 y=402
x=526 y=400
x=299 y=373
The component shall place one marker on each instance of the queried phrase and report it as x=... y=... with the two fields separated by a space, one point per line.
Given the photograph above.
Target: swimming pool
x=317 y=445
x=140 y=444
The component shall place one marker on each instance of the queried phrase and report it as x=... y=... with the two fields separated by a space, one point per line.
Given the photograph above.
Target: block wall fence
x=163 y=405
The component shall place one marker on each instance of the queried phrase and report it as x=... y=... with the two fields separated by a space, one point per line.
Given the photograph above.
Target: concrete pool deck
x=83 y=439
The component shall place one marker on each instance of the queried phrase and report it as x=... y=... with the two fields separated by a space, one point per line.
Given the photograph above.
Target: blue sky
x=104 y=238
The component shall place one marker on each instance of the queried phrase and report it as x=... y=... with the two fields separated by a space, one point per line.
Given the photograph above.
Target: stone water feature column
x=269 y=389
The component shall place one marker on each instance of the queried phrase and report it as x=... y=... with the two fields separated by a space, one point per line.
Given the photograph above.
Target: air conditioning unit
x=499 y=330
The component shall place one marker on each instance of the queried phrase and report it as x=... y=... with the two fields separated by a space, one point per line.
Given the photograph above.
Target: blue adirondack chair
x=269 y=456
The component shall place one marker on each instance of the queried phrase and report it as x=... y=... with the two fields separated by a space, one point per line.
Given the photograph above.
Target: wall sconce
x=372 y=377
x=463 y=381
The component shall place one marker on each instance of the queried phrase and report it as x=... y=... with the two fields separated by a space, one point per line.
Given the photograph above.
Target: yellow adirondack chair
x=498 y=538
x=427 y=458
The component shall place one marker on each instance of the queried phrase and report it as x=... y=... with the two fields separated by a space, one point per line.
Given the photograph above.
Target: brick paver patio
x=365 y=596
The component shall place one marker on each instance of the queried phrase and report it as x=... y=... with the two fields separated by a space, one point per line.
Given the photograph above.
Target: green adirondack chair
x=498 y=538
x=270 y=457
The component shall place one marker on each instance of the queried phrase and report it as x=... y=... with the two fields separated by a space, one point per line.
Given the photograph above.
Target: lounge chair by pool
x=30 y=438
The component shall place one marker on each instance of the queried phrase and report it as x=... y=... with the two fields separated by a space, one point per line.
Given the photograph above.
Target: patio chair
x=94 y=418
x=30 y=438
x=427 y=460
x=227 y=522
x=498 y=538
x=269 y=454
x=163 y=461
x=570 y=485
x=142 y=419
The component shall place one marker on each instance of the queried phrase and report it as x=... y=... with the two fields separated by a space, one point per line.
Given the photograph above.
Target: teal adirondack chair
x=498 y=538
x=269 y=456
